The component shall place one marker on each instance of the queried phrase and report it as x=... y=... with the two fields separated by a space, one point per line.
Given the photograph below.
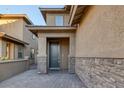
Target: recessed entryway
x=58 y=51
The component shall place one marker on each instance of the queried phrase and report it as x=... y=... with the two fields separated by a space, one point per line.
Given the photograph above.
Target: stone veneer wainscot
x=100 y=72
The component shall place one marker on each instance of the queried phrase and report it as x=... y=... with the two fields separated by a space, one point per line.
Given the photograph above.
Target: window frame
x=32 y=53
x=60 y=24
x=8 y=49
x=20 y=50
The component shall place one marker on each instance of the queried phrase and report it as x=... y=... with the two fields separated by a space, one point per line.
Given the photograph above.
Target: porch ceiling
x=36 y=29
x=77 y=14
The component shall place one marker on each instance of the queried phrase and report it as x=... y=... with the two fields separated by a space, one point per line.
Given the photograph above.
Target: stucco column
x=42 y=58
x=72 y=46
x=71 y=57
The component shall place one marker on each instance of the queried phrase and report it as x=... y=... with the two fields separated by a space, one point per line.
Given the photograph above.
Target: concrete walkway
x=30 y=79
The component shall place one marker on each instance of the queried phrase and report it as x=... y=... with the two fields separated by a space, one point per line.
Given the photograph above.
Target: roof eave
x=4 y=35
x=24 y=16
x=72 y=13
x=77 y=13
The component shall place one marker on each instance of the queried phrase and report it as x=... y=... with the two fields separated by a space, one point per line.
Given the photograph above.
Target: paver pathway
x=30 y=79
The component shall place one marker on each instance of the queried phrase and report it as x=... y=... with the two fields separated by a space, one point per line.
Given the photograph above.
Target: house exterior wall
x=33 y=43
x=50 y=19
x=13 y=49
x=13 y=27
x=99 y=47
x=64 y=53
x=0 y=48
x=3 y=48
x=100 y=33
x=16 y=27
x=42 y=48
x=11 y=68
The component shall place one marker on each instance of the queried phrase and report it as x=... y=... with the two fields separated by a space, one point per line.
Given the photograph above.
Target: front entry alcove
x=57 y=54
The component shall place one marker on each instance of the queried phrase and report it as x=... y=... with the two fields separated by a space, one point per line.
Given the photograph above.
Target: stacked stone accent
x=42 y=64
x=71 y=65
x=100 y=72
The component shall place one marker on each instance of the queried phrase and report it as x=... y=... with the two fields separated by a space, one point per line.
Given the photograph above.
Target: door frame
x=58 y=41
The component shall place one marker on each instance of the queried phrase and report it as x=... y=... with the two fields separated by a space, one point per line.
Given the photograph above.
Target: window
x=32 y=55
x=59 y=20
x=33 y=36
x=20 y=52
x=8 y=50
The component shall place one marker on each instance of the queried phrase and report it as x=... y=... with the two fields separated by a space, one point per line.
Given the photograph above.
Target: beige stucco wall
x=0 y=47
x=13 y=49
x=16 y=27
x=11 y=68
x=101 y=33
x=50 y=19
x=64 y=45
x=43 y=37
x=12 y=27
x=3 y=48
x=42 y=48
x=33 y=43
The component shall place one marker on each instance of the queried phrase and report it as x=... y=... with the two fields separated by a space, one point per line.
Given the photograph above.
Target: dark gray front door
x=54 y=55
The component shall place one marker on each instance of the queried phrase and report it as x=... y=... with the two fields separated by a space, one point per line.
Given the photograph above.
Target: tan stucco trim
x=36 y=29
x=76 y=13
x=52 y=9
x=4 y=35
x=72 y=13
x=24 y=16
x=66 y=7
